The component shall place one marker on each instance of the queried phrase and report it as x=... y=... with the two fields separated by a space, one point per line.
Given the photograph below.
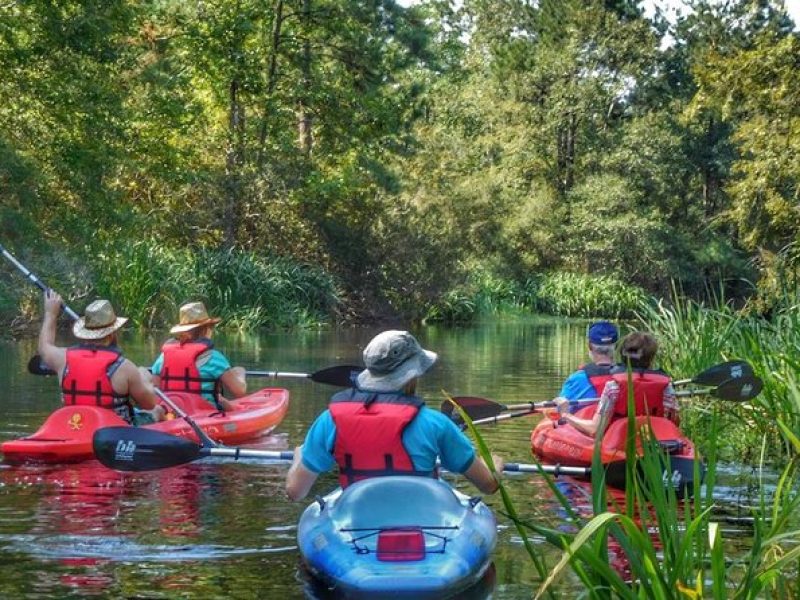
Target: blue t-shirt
x=211 y=365
x=577 y=387
x=429 y=436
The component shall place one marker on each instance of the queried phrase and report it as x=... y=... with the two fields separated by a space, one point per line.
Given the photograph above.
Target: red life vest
x=648 y=392
x=179 y=371
x=369 y=434
x=87 y=378
x=598 y=375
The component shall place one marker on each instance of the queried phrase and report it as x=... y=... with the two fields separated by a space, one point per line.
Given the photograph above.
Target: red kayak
x=66 y=435
x=564 y=445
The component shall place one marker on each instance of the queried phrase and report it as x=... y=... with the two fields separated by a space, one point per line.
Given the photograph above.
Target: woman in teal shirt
x=190 y=363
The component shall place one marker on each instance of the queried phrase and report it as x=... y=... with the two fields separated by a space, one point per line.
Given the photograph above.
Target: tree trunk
x=272 y=67
x=234 y=159
x=304 y=123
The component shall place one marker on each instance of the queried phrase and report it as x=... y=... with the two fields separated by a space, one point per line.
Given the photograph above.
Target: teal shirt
x=211 y=364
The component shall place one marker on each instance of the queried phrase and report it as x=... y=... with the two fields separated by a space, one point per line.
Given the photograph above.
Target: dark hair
x=639 y=348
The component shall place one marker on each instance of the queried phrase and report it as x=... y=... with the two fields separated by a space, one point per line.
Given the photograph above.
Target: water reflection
x=218 y=529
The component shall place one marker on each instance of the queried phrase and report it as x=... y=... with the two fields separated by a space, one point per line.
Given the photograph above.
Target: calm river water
x=226 y=530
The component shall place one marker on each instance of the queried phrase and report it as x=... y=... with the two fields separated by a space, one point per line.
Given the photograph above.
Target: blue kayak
x=397 y=537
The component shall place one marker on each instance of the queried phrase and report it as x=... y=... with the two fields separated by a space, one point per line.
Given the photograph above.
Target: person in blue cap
x=590 y=379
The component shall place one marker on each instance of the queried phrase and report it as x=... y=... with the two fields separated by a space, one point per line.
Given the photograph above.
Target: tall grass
x=586 y=296
x=559 y=294
x=672 y=548
x=483 y=294
x=694 y=336
x=149 y=282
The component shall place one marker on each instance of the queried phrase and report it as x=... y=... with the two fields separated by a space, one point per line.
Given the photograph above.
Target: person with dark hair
x=653 y=393
x=95 y=372
x=190 y=363
x=590 y=379
x=381 y=428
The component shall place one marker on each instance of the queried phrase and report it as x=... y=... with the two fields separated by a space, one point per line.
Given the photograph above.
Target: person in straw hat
x=94 y=372
x=190 y=363
x=380 y=427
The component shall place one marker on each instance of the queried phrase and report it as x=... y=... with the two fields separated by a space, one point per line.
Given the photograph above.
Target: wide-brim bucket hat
x=393 y=358
x=99 y=320
x=192 y=316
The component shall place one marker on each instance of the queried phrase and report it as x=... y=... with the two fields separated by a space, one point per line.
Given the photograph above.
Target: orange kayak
x=564 y=445
x=66 y=435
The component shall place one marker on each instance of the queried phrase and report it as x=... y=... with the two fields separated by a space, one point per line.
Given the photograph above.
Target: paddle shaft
x=35 y=280
x=238 y=453
x=534 y=406
x=201 y=435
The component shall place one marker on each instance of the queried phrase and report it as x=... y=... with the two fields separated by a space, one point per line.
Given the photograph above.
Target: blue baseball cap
x=603 y=333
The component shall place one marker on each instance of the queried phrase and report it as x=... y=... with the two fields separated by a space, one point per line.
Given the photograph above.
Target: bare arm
x=299 y=479
x=138 y=387
x=234 y=381
x=53 y=356
x=482 y=477
x=587 y=426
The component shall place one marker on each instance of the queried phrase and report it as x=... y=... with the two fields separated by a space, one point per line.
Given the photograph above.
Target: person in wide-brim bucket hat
x=193 y=315
x=99 y=321
x=393 y=358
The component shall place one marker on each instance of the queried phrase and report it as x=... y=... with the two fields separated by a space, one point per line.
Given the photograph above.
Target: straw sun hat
x=393 y=358
x=193 y=315
x=99 y=320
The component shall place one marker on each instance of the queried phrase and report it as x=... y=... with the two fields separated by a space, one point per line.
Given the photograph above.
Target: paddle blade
x=475 y=406
x=340 y=376
x=676 y=472
x=722 y=372
x=739 y=389
x=37 y=367
x=139 y=449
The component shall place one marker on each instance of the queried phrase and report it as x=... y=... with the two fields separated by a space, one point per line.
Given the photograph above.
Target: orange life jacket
x=648 y=392
x=369 y=434
x=598 y=376
x=87 y=379
x=179 y=371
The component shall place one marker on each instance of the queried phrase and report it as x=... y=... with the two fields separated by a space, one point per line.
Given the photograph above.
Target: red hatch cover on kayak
x=396 y=545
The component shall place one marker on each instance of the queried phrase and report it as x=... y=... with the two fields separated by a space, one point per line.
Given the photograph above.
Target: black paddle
x=738 y=389
x=340 y=375
x=720 y=373
x=144 y=449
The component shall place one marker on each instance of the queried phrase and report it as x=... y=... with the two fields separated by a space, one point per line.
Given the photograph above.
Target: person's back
x=382 y=428
x=652 y=389
x=189 y=362
x=95 y=372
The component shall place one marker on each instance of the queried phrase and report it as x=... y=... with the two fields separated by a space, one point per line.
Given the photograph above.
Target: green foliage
x=246 y=290
x=694 y=336
x=666 y=548
x=576 y=295
x=395 y=147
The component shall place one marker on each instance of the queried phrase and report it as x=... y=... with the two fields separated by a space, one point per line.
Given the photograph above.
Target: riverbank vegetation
x=647 y=542
x=349 y=160
x=694 y=336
